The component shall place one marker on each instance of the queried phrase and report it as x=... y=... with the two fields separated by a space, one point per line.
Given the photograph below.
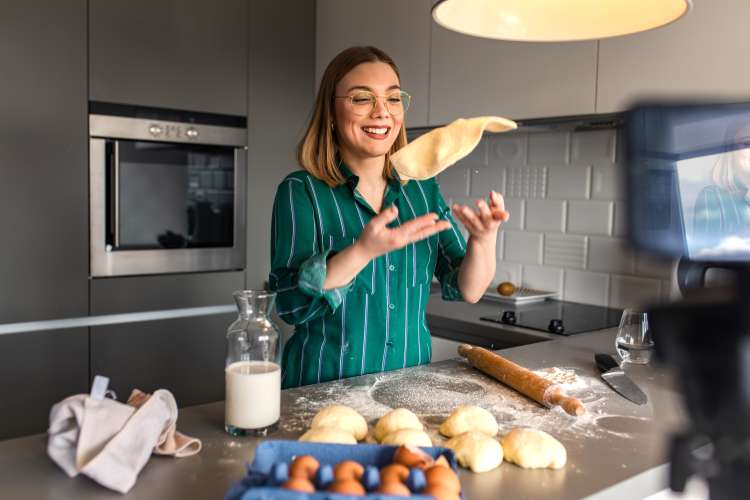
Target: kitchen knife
x=615 y=377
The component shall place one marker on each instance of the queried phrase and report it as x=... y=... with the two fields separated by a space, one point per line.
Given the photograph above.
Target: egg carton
x=258 y=484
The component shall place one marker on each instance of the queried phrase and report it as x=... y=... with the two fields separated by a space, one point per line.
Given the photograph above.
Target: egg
x=440 y=493
x=299 y=484
x=412 y=456
x=396 y=488
x=304 y=467
x=506 y=288
x=347 y=487
x=394 y=472
x=348 y=469
x=437 y=475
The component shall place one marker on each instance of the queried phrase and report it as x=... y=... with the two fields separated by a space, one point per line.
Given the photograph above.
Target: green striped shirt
x=377 y=321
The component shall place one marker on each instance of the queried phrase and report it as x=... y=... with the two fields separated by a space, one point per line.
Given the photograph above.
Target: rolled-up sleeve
x=298 y=259
x=451 y=252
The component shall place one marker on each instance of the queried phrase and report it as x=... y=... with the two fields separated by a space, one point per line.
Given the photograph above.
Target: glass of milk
x=252 y=373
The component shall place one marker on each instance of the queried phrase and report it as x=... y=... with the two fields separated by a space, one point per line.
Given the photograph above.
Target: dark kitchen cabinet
x=43 y=161
x=38 y=369
x=184 y=355
x=180 y=54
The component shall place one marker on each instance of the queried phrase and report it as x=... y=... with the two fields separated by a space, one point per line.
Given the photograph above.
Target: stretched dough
x=467 y=418
x=343 y=418
x=533 y=449
x=328 y=435
x=476 y=451
x=411 y=437
x=438 y=149
x=395 y=420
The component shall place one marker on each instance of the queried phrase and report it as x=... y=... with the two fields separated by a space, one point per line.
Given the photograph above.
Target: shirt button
x=391 y=306
x=391 y=267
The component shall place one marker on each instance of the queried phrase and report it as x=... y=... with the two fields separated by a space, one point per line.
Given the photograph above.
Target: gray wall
x=566 y=233
x=281 y=83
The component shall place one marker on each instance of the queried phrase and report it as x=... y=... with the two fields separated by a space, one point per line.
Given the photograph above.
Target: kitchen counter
x=616 y=450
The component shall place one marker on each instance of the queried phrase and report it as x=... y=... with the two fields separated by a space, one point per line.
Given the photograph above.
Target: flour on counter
x=433 y=391
x=567 y=378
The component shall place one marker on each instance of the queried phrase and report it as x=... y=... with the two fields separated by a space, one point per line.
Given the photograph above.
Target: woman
x=723 y=209
x=353 y=248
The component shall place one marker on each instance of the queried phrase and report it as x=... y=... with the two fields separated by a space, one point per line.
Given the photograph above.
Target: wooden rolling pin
x=526 y=382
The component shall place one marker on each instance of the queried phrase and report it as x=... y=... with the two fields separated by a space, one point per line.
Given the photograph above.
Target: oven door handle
x=115 y=195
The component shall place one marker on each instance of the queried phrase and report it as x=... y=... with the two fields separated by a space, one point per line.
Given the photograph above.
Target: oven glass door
x=169 y=195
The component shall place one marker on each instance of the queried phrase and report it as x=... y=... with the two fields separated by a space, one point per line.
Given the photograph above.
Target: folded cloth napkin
x=109 y=441
x=171 y=441
x=431 y=153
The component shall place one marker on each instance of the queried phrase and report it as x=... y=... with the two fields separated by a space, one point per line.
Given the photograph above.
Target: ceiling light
x=556 y=20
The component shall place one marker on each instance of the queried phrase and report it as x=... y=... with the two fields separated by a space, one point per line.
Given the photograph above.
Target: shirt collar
x=351 y=179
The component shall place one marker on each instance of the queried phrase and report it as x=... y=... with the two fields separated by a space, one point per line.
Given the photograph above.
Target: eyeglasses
x=363 y=102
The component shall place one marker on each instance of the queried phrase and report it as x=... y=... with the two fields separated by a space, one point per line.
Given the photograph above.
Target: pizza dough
x=476 y=451
x=533 y=449
x=395 y=420
x=343 y=418
x=438 y=149
x=467 y=418
x=328 y=435
x=411 y=437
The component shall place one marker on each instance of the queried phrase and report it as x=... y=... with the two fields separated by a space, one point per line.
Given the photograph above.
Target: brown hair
x=317 y=150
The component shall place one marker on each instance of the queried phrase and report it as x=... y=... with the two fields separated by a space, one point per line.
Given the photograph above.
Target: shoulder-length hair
x=317 y=151
x=724 y=172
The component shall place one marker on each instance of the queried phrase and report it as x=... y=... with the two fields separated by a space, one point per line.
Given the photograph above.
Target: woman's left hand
x=483 y=222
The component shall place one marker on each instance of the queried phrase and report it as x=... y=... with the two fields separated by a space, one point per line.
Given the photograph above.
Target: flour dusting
x=432 y=392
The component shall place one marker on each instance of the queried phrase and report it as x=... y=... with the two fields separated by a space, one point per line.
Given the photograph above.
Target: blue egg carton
x=256 y=485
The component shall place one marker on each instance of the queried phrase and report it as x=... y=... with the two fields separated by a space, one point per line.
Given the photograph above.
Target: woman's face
x=372 y=134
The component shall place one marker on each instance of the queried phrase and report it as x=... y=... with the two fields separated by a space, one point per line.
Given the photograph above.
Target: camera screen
x=688 y=179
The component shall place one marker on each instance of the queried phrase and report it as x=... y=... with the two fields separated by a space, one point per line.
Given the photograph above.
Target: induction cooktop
x=557 y=316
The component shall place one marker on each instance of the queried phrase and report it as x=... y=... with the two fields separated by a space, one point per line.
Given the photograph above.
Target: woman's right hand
x=377 y=238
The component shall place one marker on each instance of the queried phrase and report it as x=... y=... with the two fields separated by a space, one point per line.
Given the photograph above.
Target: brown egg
x=396 y=488
x=347 y=487
x=412 y=456
x=440 y=493
x=506 y=288
x=348 y=469
x=299 y=484
x=394 y=472
x=437 y=475
x=304 y=467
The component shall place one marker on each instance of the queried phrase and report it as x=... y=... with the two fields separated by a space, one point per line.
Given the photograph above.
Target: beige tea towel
x=110 y=442
x=438 y=149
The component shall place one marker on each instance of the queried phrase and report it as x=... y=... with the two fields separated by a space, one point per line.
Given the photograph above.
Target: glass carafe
x=253 y=375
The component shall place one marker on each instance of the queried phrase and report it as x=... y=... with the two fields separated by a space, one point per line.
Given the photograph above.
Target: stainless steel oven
x=167 y=191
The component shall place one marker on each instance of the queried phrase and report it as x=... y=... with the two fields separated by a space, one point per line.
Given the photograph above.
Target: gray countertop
x=617 y=450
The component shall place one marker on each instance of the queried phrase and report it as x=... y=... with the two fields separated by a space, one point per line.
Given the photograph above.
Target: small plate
x=520 y=296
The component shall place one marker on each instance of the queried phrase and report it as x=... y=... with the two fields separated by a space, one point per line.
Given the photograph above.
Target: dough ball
x=343 y=418
x=328 y=435
x=533 y=449
x=467 y=419
x=411 y=437
x=395 y=420
x=476 y=451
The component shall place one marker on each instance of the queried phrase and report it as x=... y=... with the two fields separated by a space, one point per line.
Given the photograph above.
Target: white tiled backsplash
x=566 y=233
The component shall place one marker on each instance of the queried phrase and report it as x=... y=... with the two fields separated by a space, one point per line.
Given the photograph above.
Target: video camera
x=688 y=184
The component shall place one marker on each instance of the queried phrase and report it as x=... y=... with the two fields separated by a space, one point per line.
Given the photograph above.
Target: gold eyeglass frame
x=374 y=102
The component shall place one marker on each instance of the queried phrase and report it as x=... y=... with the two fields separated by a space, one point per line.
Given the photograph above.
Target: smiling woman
x=353 y=247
